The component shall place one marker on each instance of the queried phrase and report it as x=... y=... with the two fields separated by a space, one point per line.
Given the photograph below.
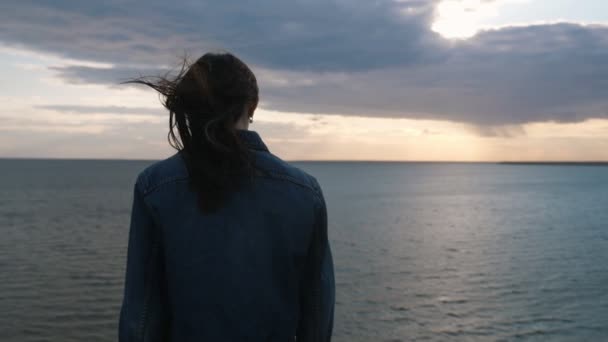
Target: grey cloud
x=104 y=109
x=503 y=131
x=278 y=130
x=146 y=140
x=303 y=35
x=114 y=142
x=511 y=76
x=109 y=76
x=366 y=58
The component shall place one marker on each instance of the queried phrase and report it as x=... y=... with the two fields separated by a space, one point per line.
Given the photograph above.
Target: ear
x=251 y=108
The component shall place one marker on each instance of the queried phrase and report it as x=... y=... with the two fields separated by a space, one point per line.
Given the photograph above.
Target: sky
x=412 y=80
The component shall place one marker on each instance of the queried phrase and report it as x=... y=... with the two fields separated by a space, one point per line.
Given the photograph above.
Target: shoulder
x=274 y=167
x=162 y=172
x=173 y=169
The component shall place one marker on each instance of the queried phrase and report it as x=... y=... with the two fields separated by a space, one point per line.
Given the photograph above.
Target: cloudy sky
x=466 y=80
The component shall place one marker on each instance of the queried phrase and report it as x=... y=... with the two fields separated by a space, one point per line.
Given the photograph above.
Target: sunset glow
x=434 y=104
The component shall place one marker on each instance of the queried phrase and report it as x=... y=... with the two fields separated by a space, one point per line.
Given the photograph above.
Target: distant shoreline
x=556 y=163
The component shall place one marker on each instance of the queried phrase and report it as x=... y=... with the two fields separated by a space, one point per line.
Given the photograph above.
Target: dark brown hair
x=205 y=100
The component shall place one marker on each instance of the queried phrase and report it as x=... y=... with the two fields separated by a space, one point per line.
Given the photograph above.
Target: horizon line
x=504 y=162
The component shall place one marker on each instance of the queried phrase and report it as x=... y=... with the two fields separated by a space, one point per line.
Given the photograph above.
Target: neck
x=243 y=123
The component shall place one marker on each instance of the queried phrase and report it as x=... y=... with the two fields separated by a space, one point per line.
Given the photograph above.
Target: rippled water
x=429 y=252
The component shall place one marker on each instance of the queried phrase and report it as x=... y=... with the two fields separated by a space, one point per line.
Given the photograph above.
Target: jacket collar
x=252 y=140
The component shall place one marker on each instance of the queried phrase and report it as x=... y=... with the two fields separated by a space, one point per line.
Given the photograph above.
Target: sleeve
x=317 y=289
x=144 y=314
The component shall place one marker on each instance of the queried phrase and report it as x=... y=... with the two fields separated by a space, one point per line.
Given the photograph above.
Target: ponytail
x=205 y=100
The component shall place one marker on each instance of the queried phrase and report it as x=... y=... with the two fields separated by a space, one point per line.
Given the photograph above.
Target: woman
x=227 y=242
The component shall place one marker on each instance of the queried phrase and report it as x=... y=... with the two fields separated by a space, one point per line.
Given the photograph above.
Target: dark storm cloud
x=367 y=58
x=302 y=35
x=509 y=76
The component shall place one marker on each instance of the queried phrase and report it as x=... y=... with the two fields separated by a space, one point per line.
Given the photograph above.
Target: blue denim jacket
x=259 y=269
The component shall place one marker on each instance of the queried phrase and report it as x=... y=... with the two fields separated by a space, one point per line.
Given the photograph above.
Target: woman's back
x=257 y=269
x=227 y=242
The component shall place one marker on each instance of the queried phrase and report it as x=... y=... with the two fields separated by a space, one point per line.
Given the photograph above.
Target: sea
x=422 y=251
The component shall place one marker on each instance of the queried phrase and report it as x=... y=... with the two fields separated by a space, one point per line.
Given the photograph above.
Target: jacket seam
x=275 y=175
x=158 y=185
x=317 y=189
x=148 y=290
x=320 y=235
x=143 y=317
x=269 y=174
